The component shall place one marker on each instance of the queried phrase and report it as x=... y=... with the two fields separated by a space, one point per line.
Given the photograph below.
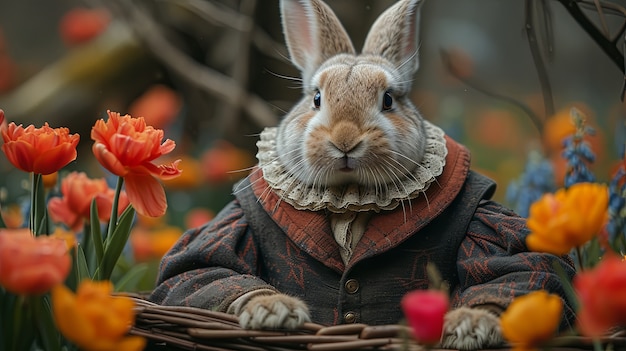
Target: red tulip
x=127 y=147
x=42 y=150
x=32 y=265
x=601 y=292
x=425 y=311
x=74 y=208
x=159 y=105
x=80 y=25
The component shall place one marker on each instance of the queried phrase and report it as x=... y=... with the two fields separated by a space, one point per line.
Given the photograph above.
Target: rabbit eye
x=387 y=101
x=317 y=99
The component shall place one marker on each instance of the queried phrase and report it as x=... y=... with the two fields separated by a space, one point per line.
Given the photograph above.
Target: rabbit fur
x=355 y=124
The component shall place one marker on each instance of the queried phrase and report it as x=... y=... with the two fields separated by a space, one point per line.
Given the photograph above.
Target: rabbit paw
x=471 y=329
x=274 y=312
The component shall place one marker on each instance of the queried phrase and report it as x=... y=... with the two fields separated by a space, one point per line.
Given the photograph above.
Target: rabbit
x=354 y=195
x=355 y=124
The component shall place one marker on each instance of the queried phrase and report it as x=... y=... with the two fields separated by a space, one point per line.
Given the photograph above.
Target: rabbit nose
x=345 y=147
x=345 y=137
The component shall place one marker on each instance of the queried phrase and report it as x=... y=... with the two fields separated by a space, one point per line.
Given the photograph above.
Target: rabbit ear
x=313 y=34
x=395 y=36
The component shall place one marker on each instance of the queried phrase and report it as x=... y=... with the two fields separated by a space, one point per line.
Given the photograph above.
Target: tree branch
x=605 y=43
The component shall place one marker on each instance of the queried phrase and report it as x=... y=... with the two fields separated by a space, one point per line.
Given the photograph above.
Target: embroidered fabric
x=352 y=197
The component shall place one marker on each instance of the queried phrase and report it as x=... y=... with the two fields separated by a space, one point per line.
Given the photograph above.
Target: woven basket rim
x=191 y=328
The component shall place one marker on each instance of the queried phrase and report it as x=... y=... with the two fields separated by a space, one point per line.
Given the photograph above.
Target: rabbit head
x=355 y=122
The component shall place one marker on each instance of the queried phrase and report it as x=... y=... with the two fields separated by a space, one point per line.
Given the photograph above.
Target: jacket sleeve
x=495 y=265
x=211 y=266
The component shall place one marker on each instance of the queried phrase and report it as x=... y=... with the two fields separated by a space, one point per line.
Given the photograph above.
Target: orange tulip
x=531 y=319
x=153 y=244
x=67 y=236
x=42 y=150
x=1 y=118
x=197 y=217
x=74 y=208
x=93 y=319
x=80 y=25
x=12 y=216
x=50 y=180
x=127 y=147
x=556 y=129
x=220 y=163
x=190 y=178
x=32 y=265
x=568 y=218
x=159 y=105
x=601 y=294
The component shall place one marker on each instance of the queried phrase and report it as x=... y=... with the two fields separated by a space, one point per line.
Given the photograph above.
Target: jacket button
x=352 y=286
x=349 y=317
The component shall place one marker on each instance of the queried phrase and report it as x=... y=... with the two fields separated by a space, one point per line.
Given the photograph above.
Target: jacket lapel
x=312 y=233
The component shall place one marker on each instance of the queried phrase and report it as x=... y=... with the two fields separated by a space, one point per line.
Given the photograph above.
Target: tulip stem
x=579 y=257
x=597 y=345
x=116 y=200
x=570 y=293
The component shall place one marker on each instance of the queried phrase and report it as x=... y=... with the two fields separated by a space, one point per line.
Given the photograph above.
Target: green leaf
x=72 y=278
x=114 y=208
x=592 y=253
x=81 y=263
x=115 y=243
x=47 y=332
x=96 y=235
x=129 y=281
x=570 y=293
x=23 y=334
x=8 y=302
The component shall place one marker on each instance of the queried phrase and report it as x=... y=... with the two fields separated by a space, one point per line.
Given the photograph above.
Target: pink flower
x=425 y=311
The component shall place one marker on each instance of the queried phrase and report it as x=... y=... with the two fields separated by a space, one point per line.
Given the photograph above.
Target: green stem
x=116 y=200
x=2 y=224
x=570 y=293
x=33 y=201
x=597 y=345
x=38 y=212
x=579 y=256
x=47 y=334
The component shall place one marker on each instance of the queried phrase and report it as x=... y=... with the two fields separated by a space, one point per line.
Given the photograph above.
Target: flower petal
x=60 y=212
x=146 y=194
x=108 y=159
x=68 y=317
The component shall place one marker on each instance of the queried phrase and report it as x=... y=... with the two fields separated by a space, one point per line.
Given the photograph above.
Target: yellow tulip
x=93 y=319
x=568 y=218
x=531 y=319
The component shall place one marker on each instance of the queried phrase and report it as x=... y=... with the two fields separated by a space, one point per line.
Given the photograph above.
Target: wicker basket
x=189 y=328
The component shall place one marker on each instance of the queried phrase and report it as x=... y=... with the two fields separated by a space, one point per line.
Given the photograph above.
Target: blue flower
x=537 y=179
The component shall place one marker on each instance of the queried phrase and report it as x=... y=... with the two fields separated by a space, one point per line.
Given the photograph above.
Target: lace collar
x=351 y=197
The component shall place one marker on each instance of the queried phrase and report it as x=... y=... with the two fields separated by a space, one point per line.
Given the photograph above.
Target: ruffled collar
x=351 y=197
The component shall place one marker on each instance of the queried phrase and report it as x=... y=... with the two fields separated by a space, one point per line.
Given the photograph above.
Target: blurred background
x=501 y=77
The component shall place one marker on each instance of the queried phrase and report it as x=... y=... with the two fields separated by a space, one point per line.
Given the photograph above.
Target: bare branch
x=606 y=44
x=544 y=81
x=478 y=86
x=211 y=81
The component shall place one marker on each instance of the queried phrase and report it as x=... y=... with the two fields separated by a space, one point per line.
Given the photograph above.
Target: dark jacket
x=258 y=241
